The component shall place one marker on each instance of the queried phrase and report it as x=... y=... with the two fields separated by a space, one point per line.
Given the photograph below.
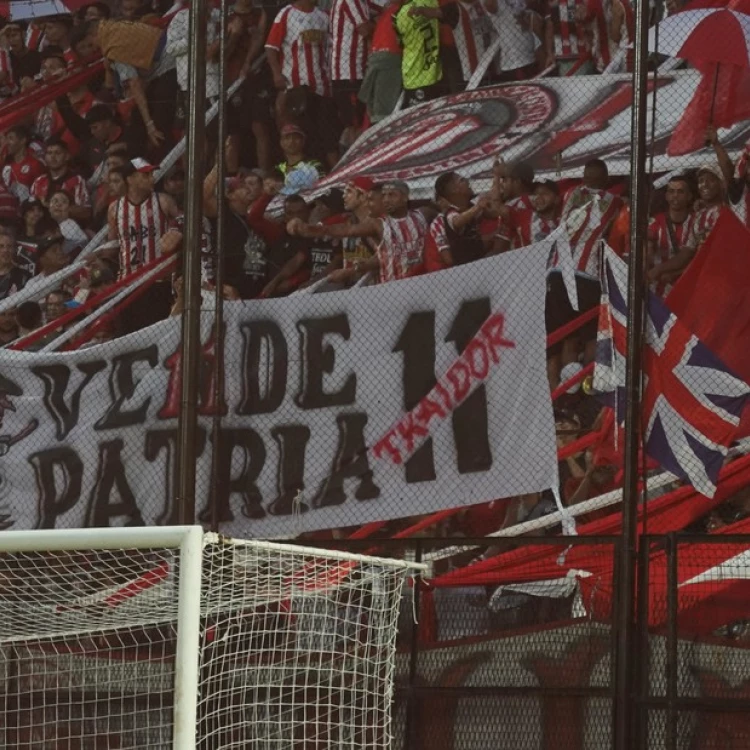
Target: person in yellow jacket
x=417 y=25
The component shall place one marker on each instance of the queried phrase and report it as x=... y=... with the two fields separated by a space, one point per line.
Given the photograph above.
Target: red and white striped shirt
x=401 y=253
x=703 y=224
x=73 y=184
x=19 y=176
x=569 y=34
x=588 y=215
x=472 y=35
x=301 y=37
x=525 y=227
x=349 y=49
x=662 y=246
x=140 y=226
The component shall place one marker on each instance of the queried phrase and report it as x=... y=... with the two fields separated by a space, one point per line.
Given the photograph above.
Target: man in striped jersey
x=59 y=177
x=454 y=237
x=512 y=188
x=351 y=28
x=473 y=34
x=525 y=226
x=671 y=231
x=400 y=235
x=566 y=41
x=712 y=192
x=297 y=53
x=588 y=213
x=140 y=222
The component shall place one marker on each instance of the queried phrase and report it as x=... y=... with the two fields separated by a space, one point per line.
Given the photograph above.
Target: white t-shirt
x=517 y=42
x=178 y=45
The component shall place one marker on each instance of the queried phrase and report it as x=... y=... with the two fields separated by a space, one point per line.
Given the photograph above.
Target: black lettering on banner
x=256 y=335
x=51 y=500
x=56 y=379
x=290 y=479
x=351 y=461
x=469 y=420
x=417 y=342
x=244 y=484
x=111 y=478
x=166 y=440
x=470 y=428
x=122 y=387
x=318 y=358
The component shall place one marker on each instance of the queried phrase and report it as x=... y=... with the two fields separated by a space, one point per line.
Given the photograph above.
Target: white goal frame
x=190 y=542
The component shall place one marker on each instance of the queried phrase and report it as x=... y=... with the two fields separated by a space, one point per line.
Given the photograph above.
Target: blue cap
x=299 y=179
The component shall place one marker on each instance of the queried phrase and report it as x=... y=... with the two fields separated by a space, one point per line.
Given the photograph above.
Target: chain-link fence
x=347 y=146
x=401 y=226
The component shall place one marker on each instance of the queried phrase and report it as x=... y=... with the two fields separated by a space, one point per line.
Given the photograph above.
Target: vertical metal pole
x=672 y=662
x=191 y=270
x=644 y=650
x=625 y=704
x=219 y=272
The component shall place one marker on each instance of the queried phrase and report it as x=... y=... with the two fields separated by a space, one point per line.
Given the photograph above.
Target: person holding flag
x=712 y=192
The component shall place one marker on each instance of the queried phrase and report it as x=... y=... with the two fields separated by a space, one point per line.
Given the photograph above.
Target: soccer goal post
x=169 y=637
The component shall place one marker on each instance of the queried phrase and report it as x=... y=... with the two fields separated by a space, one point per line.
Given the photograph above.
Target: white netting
x=296 y=648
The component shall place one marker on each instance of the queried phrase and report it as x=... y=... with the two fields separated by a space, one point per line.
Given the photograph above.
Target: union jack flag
x=691 y=401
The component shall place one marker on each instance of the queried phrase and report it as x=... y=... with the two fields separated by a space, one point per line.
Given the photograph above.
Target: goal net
x=172 y=638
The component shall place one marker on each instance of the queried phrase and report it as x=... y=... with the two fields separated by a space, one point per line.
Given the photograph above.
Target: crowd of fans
x=308 y=80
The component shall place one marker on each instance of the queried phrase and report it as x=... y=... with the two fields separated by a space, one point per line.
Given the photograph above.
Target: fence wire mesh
x=365 y=144
x=417 y=216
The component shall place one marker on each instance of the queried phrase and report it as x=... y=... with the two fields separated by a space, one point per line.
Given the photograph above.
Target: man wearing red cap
x=140 y=220
x=355 y=251
x=400 y=235
x=292 y=143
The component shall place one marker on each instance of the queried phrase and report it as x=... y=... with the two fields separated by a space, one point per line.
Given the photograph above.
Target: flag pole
x=216 y=443
x=190 y=343
x=625 y=706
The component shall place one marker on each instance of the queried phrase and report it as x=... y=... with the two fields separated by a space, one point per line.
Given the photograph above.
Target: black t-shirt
x=319 y=258
x=25 y=66
x=245 y=257
x=284 y=250
x=27 y=255
x=11 y=282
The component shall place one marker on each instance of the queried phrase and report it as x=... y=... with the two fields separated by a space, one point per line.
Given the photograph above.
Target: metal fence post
x=672 y=654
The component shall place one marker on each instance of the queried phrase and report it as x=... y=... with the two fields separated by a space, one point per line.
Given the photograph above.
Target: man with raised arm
x=400 y=235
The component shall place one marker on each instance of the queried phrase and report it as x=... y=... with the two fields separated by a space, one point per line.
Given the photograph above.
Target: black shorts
x=252 y=102
x=413 y=97
x=559 y=311
x=350 y=109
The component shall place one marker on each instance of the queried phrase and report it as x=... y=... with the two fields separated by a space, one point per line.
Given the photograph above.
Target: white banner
x=341 y=408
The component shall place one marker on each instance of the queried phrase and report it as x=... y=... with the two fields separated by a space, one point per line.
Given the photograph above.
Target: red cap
x=291 y=129
x=141 y=165
x=365 y=184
